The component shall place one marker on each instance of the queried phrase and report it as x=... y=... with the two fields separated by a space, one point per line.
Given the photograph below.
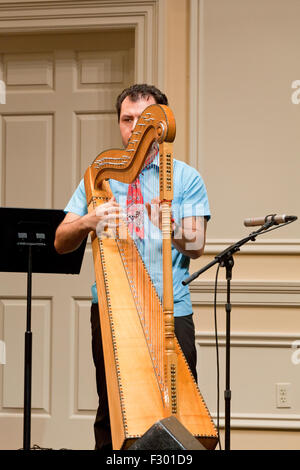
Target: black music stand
x=27 y=245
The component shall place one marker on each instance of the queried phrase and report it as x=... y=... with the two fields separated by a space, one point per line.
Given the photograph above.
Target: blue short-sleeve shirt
x=190 y=199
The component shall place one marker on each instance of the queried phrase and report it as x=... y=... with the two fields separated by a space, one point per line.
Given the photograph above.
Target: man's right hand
x=107 y=216
x=74 y=228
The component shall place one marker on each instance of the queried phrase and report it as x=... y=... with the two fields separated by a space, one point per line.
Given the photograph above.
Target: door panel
x=59 y=115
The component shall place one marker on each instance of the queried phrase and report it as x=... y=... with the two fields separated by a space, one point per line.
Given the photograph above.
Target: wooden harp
x=147 y=376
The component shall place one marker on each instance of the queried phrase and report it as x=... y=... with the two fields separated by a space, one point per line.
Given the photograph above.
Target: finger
x=115 y=217
x=155 y=201
x=104 y=225
x=114 y=210
x=108 y=209
x=148 y=207
x=111 y=202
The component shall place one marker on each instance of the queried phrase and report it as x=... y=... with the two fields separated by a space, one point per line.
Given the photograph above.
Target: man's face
x=130 y=113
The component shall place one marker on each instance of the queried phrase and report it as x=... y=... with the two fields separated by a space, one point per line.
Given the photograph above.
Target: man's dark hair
x=136 y=92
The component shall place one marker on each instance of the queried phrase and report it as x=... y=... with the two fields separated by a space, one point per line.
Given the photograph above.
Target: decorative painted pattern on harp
x=147 y=375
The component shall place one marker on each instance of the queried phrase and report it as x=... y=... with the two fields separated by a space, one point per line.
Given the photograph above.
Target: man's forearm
x=74 y=228
x=70 y=234
x=189 y=238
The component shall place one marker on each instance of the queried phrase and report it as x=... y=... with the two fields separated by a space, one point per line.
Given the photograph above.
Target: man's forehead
x=128 y=105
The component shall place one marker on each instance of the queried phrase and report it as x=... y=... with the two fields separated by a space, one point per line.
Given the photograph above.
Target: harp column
x=166 y=197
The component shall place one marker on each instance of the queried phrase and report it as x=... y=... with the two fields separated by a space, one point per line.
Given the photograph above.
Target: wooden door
x=59 y=114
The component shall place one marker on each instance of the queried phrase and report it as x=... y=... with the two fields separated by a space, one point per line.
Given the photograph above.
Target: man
x=190 y=215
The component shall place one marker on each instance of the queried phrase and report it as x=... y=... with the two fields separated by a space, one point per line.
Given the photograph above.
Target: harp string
x=142 y=261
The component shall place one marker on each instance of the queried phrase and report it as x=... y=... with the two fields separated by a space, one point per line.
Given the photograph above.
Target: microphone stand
x=225 y=259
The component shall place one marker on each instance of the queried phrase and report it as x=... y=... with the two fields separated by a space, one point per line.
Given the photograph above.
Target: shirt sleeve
x=194 y=195
x=77 y=204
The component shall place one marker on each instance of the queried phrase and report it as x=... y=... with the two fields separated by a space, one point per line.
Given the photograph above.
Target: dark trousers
x=185 y=333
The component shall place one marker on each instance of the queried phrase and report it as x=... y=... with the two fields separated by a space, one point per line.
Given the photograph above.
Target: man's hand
x=154 y=212
x=107 y=216
x=188 y=237
x=74 y=228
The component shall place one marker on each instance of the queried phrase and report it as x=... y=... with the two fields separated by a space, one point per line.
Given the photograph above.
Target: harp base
x=167 y=434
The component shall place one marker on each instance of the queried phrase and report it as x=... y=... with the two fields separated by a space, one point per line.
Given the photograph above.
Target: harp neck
x=156 y=123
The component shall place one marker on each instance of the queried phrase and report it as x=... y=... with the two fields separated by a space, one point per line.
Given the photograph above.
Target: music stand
x=24 y=234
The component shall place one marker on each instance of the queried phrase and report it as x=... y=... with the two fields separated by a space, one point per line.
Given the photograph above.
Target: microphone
x=277 y=219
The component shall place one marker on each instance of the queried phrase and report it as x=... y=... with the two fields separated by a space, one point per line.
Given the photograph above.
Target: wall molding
x=248 y=293
x=42 y=16
x=196 y=70
x=280 y=420
x=195 y=84
x=242 y=339
x=262 y=246
x=261 y=421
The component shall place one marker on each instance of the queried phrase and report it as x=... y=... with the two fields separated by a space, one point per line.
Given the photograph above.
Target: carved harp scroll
x=156 y=123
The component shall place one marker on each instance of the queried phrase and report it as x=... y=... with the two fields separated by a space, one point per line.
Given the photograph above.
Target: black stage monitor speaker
x=167 y=434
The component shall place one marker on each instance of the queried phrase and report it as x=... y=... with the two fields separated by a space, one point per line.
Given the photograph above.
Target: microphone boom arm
x=228 y=252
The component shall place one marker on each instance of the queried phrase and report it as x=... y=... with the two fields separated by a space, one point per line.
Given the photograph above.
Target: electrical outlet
x=283 y=395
